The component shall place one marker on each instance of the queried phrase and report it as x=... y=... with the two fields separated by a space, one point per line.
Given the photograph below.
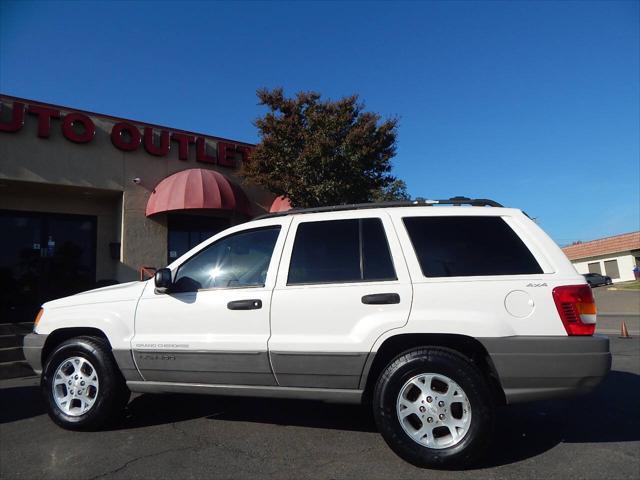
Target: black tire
x=459 y=369
x=112 y=393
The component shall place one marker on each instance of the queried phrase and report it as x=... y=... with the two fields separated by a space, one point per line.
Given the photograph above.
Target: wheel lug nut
x=82 y=383
x=422 y=409
x=441 y=416
x=441 y=403
x=429 y=399
x=430 y=420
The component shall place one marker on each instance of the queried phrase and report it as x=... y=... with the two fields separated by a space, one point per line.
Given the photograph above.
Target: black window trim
x=361 y=250
x=261 y=285
x=488 y=277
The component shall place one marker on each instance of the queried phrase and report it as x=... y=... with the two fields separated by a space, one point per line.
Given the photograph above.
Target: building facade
x=615 y=256
x=87 y=199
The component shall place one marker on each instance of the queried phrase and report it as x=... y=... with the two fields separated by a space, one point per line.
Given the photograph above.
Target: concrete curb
x=616 y=332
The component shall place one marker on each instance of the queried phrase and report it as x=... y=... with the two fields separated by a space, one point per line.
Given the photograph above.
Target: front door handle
x=381 y=299
x=253 y=304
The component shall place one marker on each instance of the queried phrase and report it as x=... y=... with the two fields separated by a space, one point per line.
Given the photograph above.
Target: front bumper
x=32 y=349
x=536 y=368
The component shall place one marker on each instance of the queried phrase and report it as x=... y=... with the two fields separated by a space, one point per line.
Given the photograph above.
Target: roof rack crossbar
x=456 y=201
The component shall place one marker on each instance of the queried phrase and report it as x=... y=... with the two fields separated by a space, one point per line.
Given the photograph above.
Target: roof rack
x=456 y=201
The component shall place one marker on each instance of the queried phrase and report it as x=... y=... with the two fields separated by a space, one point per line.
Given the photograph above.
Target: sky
x=533 y=104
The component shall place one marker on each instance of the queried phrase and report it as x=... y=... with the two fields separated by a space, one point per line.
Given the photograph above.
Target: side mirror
x=163 y=280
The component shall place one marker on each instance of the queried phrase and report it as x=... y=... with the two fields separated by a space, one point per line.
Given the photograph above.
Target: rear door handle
x=381 y=299
x=253 y=304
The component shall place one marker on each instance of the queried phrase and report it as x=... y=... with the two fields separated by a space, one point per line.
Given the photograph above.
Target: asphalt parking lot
x=173 y=436
x=613 y=302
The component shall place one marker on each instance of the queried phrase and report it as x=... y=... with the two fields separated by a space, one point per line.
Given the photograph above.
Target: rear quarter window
x=468 y=246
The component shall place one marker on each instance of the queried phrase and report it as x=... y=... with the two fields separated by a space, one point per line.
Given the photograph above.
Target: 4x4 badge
x=537 y=285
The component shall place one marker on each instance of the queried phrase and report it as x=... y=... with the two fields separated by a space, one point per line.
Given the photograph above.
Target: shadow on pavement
x=147 y=410
x=608 y=414
x=19 y=403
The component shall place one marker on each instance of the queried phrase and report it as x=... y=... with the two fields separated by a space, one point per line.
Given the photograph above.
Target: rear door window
x=338 y=251
x=468 y=246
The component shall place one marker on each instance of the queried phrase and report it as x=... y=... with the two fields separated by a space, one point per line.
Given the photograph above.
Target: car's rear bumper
x=32 y=349
x=534 y=368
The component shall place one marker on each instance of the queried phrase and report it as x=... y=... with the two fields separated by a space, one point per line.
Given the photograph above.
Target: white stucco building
x=613 y=256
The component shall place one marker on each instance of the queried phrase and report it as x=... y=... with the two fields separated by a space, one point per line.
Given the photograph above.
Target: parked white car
x=431 y=314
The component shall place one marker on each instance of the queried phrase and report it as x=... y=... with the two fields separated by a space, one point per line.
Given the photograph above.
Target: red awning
x=280 y=204
x=196 y=189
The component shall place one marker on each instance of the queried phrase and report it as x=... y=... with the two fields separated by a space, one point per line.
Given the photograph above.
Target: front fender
x=114 y=319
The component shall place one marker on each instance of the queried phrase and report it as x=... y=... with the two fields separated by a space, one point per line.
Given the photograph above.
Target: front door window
x=239 y=260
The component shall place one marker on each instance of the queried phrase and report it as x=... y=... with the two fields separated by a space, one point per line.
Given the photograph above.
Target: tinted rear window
x=468 y=246
x=340 y=251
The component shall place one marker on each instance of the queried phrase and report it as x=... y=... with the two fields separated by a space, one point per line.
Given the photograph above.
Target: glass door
x=43 y=256
x=186 y=231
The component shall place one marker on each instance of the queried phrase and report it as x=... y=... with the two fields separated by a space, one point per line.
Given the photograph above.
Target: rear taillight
x=576 y=308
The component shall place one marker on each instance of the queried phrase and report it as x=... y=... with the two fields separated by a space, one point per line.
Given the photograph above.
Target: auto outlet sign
x=78 y=127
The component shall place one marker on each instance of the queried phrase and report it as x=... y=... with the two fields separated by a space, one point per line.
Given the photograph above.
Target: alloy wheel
x=75 y=386
x=433 y=410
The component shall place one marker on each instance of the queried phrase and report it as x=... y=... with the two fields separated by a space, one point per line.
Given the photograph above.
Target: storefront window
x=44 y=256
x=186 y=231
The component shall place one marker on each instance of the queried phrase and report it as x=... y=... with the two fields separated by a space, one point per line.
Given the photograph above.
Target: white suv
x=432 y=314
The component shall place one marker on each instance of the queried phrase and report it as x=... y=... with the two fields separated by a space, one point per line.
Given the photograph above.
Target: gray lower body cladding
x=32 y=348
x=529 y=368
x=205 y=367
x=318 y=370
x=124 y=359
x=33 y=344
x=535 y=368
x=301 y=375
x=292 y=369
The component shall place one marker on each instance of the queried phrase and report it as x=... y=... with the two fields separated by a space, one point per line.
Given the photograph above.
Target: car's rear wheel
x=82 y=385
x=433 y=408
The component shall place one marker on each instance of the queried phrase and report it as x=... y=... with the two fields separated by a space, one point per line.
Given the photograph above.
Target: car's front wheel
x=82 y=385
x=433 y=408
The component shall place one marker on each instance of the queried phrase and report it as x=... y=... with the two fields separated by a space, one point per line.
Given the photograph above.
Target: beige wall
x=106 y=172
x=626 y=262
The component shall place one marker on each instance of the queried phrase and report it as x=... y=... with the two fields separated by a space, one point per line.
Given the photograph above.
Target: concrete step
x=15 y=370
x=11 y=354
x=7 y=341
x=12 y=362
x=16 y=328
